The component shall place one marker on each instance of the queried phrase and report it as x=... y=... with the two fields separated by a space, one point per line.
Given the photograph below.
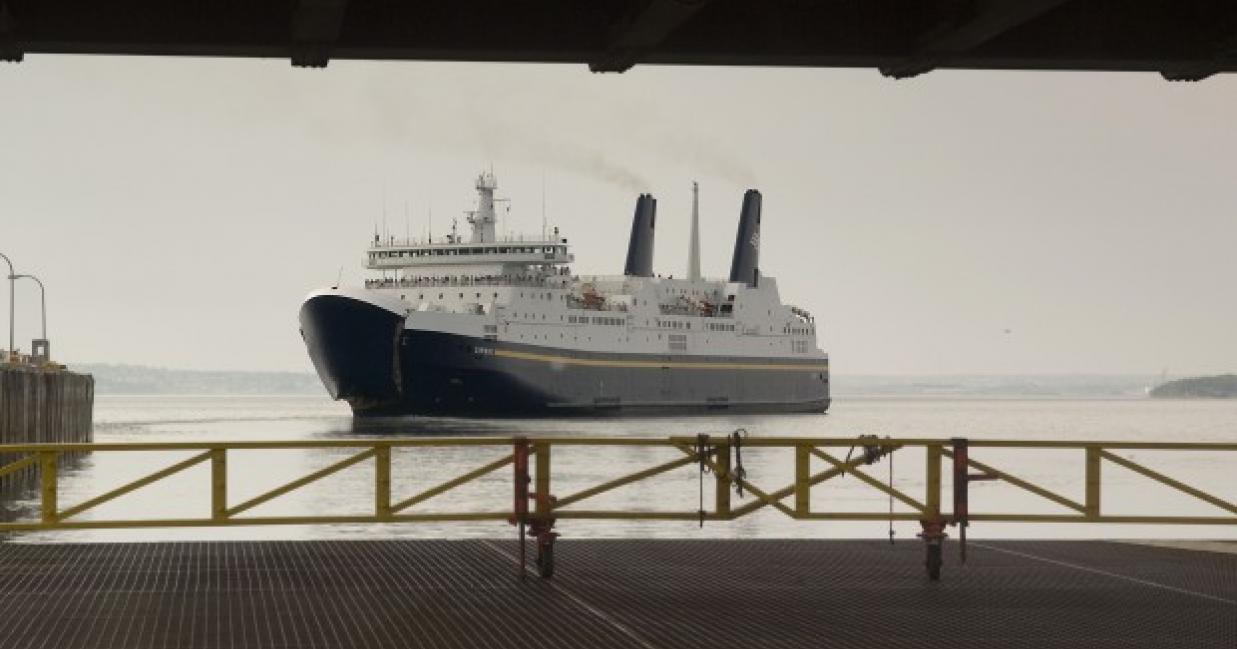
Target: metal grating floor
x=620 y=593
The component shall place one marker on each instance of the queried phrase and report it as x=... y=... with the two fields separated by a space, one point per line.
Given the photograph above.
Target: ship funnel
x=745 y=266
x=640 y=249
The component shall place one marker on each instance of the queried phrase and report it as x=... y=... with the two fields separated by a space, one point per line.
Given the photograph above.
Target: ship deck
x=664 y=594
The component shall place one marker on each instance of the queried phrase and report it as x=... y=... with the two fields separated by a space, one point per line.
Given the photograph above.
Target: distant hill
x=140 y=379
x=1223 y=386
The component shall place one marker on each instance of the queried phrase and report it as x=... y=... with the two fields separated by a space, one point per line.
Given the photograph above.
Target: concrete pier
x=40 y=405
x=666 y=594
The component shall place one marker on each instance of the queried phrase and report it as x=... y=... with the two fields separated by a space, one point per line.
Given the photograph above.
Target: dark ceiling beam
x=315 y=28
x=1224 y=57
x=985 y=20
x=9 y=49
x=643 y=32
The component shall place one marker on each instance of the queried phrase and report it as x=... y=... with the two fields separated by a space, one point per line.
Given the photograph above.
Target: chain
x=702 y=453
x=891 y=498
x=739 y=473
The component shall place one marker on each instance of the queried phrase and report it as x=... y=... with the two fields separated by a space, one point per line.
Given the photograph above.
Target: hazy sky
x=179 y=209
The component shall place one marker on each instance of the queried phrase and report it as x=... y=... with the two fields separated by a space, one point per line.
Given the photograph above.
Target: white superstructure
x=522 y=290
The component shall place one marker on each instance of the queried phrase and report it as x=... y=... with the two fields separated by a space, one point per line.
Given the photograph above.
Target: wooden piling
x=39 y=405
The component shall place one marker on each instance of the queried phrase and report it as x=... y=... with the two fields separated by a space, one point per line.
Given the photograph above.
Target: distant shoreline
x=119 y=379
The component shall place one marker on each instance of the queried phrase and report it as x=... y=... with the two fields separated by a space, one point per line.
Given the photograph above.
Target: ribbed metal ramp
x=621 y=593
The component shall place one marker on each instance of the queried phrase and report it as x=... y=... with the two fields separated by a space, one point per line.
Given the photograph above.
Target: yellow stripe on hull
x=592 y=362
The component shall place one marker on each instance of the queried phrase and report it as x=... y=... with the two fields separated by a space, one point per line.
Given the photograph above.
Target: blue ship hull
x=365 y=356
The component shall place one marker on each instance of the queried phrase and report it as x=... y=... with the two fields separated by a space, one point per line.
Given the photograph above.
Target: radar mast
x=482 y=219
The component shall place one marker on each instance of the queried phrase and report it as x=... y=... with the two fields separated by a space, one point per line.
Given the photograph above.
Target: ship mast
x=482 y=219
x=693 y=250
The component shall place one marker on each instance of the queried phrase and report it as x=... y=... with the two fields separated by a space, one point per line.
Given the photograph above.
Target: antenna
x=693 y=250
x=543 y=204
x=407 y=225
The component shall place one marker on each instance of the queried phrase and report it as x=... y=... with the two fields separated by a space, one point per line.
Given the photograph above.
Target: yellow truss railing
x=713 y=454
x=717 y=458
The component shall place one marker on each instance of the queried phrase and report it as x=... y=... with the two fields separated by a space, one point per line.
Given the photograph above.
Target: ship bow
x=354 y=346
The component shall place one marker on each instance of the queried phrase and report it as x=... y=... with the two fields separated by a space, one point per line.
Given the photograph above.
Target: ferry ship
x=489 y=325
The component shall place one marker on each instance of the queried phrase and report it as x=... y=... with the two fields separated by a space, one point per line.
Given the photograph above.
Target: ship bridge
x=483 y=255
x=502 y=256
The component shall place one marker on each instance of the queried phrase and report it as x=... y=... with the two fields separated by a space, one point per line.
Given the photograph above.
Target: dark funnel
x=640 y=249
x=745 y=266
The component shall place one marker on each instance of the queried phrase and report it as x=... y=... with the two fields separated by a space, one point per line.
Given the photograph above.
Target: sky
x=179 y=210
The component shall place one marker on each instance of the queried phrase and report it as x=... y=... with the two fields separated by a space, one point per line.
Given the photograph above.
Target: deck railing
x=535 y=507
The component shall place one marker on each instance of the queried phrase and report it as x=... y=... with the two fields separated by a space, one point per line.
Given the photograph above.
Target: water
x=213 y=418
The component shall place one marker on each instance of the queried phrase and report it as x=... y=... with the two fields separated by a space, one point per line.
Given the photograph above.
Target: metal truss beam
x=965 y=30
x=643 y=33
x=10 y=51
x=315 y=28
x=1224 y=55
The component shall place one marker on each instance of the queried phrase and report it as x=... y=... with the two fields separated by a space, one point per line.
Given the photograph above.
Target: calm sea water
x=178 y=418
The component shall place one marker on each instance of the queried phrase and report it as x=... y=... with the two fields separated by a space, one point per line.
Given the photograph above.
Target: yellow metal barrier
x=719 y=456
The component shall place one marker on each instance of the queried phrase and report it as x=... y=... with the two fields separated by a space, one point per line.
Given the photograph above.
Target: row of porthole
x=647 y=339
x=548 y=296
x=421 y=296
x=674 y=344
x=453 y=252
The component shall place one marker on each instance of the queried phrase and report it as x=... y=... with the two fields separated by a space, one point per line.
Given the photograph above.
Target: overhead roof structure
x=1180 y=39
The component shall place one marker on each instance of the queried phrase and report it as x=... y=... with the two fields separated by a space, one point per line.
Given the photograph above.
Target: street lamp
x=42 y=298
x=12 y=283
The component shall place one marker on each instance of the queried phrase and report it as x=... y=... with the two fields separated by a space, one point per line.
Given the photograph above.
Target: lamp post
x=42 y=298
x=12 y=283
